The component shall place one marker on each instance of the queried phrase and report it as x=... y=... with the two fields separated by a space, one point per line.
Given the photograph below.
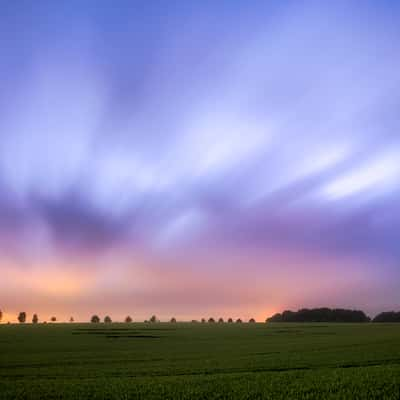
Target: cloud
x=374 y=178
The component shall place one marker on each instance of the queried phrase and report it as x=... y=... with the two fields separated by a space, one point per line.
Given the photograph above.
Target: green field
x=200 y=361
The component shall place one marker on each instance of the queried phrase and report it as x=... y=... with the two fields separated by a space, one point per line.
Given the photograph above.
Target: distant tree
x=323 y=314
x=35 y=319
x=203 y=320
x=153 y=319
x=22 y=317
x=71 y=319
x=230 y=320
x=1 y=315
x=252 y=321
x=211 y=320
x=194 y=321
x=95 y=319
x=221 y=321
x=238 y=321
x=388 y=316
x=173 y=320
x=128 y=319
x=107 y=319
x=53 y=319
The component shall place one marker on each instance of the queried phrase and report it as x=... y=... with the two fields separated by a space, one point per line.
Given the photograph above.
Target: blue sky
x=194 y=136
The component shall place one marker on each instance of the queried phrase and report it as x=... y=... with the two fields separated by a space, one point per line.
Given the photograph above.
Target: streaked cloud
x=375 y=177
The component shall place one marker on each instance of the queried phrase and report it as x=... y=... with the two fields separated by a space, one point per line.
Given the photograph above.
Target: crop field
x=200 y=361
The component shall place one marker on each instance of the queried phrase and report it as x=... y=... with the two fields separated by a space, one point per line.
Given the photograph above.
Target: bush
x=128 y=319
x=35 y=319
x=211 y=320
x=238 y=321
x=173 y=320
x=230 y=320
x=107 y=319
x=252 y=321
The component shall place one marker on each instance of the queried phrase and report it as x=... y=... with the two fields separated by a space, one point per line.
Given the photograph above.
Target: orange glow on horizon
x=214 y=286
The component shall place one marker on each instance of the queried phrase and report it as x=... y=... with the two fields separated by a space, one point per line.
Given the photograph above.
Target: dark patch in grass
x=101 y=332
x=376 y=363
x=266 y=353
x=106 y=332
x=314 y=326
x=297 y=332
x=133 y=336
x=122 y=329
x=118 y=333
x=290 y=331
x=101 y=329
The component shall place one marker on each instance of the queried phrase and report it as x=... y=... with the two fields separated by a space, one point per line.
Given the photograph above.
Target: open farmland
x=199 y=361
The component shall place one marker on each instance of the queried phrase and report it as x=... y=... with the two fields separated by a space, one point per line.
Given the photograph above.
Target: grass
x=200 y=361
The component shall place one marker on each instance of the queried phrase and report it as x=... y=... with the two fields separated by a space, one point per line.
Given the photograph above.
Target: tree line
x=95 y=319
x=389 y=316
x=323 y=314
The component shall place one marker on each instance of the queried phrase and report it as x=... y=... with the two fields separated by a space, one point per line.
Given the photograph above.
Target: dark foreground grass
x=200 y=361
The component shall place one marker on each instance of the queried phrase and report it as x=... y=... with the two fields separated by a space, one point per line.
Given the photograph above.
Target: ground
x=200 y=361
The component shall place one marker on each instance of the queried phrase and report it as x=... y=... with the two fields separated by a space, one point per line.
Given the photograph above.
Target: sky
x=198 y=159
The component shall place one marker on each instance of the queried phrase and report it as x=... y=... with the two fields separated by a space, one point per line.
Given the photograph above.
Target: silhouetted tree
x=388 y=316
x=1 y=315
x=211 y=320
x=230 y=320
x=95 y=319
x=153 y=319
x=53 y=319
x=252 y=321
x=22 y=317
x=173 y=320
x=35 y=319
x=238 y=321
x=107 y=319
x=203 y=320
x=71 y=319
x=128 y=319
x=320 y=315
x=221 y=321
